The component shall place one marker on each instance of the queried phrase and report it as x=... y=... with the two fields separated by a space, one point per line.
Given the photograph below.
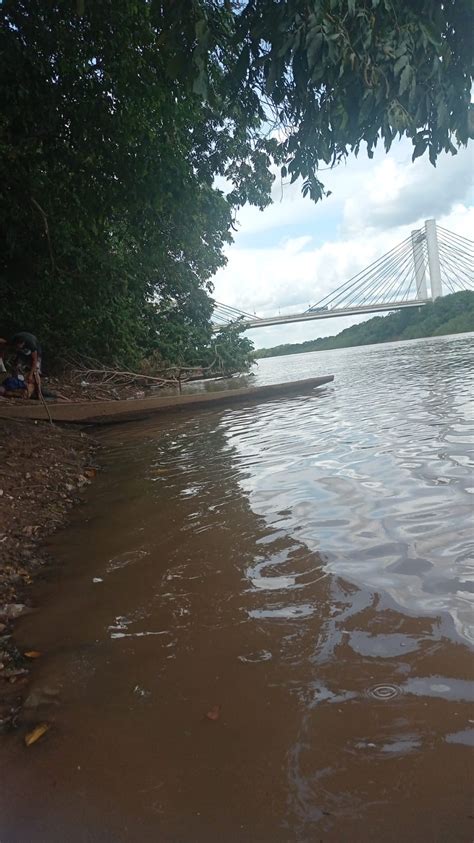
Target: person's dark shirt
x=31 y=344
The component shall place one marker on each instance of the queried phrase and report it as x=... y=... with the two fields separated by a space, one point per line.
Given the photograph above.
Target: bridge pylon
x=417 y=245
x=433 y=259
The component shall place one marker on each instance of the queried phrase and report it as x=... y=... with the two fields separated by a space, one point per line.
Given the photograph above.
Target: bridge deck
x=309 y=316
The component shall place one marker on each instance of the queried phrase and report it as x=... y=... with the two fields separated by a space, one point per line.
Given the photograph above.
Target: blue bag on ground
x=11 y=384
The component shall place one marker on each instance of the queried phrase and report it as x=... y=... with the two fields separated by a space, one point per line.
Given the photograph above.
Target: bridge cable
x=234 y=310
x=365 y=285
x=464 y=253
x=461 y=268
x=455 y=259
x=445 y=232
x=408 y=275
x=383 y=291
x=385 y=276
x=386 y=280
x=361 y=276
x=365 y=280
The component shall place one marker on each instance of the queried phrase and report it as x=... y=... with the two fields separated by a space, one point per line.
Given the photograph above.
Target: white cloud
x=293 y=253
x=404 y=193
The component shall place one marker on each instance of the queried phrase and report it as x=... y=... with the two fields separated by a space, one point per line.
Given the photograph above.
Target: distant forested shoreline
x=453 y=314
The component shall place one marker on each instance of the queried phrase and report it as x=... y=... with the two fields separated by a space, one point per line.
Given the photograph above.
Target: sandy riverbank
x=44 y=469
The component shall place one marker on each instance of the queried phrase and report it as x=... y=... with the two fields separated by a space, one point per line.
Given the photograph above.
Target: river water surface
x=298 y=570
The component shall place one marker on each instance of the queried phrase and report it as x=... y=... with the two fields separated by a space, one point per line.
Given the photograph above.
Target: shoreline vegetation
x=133 y=133
x=452 y=314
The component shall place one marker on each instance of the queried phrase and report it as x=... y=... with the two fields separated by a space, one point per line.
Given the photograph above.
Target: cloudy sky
x=290 y=255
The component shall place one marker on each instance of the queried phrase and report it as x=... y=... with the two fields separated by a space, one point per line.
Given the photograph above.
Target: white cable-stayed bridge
x=430 y=263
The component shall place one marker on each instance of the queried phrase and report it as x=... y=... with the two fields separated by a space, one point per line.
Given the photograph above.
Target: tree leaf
x=430 y=33
x=314 y=48
x=36 y=733
x=242 y=65
x=200 y=85
x=405 y=79
x=400 y=64
x=420 y=149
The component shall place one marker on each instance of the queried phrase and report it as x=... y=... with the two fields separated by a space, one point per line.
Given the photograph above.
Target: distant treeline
x=451 y=314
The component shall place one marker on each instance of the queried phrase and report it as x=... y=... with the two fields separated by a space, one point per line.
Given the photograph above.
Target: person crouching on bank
x=27 y=360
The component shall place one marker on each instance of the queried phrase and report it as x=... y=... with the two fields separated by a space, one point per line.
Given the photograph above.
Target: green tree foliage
x=106 y=205
x=451 y=314
x=331 y=75
x=117 y=116
x=230 y=351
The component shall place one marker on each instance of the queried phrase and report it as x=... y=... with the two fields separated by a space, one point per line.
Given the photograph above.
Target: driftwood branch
x=109 y=376
x=108 y=379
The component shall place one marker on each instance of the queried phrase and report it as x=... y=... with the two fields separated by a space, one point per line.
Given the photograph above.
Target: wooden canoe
x=109 y=412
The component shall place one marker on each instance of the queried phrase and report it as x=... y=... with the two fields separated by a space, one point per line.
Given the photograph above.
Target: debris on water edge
x=36 y=733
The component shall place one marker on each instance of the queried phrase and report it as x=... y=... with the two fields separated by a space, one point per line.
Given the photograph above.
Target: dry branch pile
x=117 y=377
x=92 y=380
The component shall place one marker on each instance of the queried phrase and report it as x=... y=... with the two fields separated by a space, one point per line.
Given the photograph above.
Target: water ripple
x=375 y=475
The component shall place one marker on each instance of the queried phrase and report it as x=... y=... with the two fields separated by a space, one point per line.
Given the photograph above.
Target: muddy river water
x=259 y=628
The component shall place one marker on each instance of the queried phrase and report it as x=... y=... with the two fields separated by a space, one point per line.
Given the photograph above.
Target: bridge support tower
x=417 y=242
x=433 y=259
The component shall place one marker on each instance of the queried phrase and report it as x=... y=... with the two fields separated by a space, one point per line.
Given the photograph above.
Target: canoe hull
x=109 y=412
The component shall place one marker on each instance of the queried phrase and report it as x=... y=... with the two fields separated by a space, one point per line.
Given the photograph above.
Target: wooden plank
x=108 y=412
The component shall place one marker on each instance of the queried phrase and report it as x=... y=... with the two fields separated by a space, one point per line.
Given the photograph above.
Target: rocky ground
x=43 y=469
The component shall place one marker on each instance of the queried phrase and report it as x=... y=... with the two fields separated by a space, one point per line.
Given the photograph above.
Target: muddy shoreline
x=44 y=471
x=258 y=627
